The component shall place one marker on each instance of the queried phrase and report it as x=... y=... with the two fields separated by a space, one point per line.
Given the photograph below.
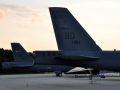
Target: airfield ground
x=50 y=82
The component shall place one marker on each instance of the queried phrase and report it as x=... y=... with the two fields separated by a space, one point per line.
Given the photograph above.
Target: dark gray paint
x=73 y=40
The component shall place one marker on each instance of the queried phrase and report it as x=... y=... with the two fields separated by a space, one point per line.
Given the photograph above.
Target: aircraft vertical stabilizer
x=21 y=56
x=70 y=35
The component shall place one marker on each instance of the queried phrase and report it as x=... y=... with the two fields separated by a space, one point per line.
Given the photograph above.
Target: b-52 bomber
x=77 y=47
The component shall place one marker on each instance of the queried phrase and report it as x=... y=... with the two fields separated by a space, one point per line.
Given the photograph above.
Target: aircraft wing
x=77 y=58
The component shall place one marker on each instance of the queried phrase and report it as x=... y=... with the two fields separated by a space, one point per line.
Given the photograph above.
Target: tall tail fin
x=21 y=56
x=70 y=35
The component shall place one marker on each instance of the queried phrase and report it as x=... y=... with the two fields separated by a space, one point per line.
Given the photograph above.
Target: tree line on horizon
x=6 y=55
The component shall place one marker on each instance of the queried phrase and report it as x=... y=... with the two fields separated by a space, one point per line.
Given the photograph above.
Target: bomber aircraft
x=77 y=47
x=24 y=62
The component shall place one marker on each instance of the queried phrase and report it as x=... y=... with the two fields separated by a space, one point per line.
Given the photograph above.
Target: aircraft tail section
x=70 y=35
x=21 y=57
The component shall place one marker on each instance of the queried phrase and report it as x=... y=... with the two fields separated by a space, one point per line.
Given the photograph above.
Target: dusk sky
x=28 y=22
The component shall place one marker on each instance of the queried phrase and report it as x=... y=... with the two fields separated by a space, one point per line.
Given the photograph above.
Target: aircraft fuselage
x=108 y=60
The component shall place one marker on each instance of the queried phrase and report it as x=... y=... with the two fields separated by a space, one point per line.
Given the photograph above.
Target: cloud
x=3 y=12
x=18 y=16
x=13 y=11
x=25 y=25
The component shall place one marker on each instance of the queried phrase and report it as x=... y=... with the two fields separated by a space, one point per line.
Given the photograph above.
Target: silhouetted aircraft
x=77 y=47
x=22 y=61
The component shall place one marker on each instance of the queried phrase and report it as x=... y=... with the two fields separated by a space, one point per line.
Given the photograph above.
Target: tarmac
x=51 y=82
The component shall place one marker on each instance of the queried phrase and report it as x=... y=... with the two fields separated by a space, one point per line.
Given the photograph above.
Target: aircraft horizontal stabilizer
x=77 y=58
